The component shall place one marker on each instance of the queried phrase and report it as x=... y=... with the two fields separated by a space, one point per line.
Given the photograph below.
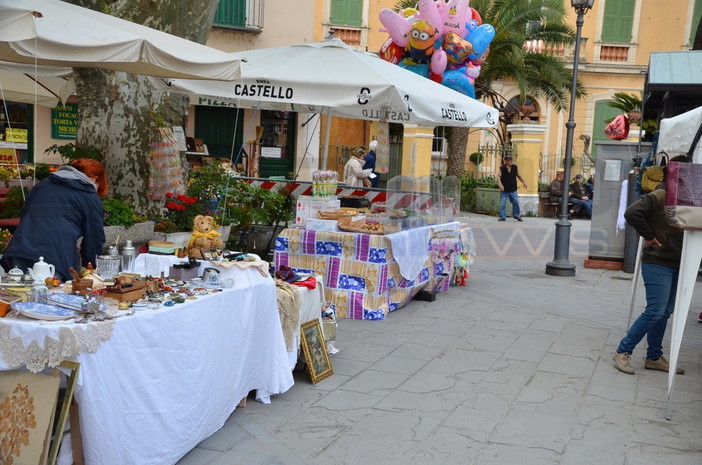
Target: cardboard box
x=307 y=207
x=317 y=224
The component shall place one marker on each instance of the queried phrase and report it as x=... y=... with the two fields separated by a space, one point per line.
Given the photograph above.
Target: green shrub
x=120 y=213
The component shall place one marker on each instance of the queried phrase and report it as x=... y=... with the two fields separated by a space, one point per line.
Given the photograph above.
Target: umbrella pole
x=327 y=134
x=689 y=266
x=635 y=282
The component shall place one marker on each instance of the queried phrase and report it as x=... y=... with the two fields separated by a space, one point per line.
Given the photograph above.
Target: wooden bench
x=552 y=209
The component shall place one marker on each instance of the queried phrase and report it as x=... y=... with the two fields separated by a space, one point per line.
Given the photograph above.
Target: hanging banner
x=64 y=121
x=382 y=152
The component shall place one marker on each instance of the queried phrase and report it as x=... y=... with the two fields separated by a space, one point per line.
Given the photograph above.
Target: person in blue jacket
x=59 y=210
x=370 y=162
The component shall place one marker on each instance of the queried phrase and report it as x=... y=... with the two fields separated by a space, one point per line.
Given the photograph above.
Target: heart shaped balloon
x=457 y=48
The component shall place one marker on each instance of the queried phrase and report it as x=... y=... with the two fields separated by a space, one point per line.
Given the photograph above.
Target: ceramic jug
x=15 y=275
x=41 y=270
x=210 y=276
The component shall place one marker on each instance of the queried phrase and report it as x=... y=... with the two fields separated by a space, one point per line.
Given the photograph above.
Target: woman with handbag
x=660 y=262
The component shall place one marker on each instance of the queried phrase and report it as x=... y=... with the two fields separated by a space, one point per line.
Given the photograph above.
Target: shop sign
x=64 y=121
x=16 y=135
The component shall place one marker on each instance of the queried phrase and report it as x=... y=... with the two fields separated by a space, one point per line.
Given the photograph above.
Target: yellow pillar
x=528 y=141
x=417 y=140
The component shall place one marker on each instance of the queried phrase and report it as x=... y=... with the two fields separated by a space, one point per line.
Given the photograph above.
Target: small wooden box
x=131 y=294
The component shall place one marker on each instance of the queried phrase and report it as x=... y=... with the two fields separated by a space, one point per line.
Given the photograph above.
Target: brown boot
x=661 y=364
x=623 y=362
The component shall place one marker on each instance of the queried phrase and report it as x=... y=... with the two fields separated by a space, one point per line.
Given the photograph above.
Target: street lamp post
x=560 y=266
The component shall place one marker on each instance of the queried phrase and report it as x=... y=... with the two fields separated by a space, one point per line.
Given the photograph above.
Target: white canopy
x=333 y=78
x=43 y=85
x=51 y=32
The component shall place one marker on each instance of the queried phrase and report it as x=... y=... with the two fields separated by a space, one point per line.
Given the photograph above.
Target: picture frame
x=314 y=348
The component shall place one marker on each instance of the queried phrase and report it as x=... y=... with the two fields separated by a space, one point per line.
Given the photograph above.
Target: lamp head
x=582 y=6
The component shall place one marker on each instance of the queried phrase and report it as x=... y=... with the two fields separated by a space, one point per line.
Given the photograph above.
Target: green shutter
x=216 y=125
x=603 y=112
x=231 y=13
x=696 y=13
x=618 y=21
x=347 y=12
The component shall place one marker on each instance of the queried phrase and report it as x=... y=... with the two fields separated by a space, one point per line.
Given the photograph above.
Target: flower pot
x=139 y=234
x=487 y=200
x=225 y=231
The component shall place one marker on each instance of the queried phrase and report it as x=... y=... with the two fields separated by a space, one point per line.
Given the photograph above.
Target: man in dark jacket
x=558 y=187
x=59 y=210
x=579 y=192
x=660 y=262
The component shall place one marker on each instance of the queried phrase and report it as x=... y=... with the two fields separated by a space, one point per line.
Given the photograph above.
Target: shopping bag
x=618 y=128
x=683 y=195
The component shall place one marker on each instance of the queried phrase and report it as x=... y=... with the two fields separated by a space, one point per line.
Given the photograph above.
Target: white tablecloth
x=169 y=378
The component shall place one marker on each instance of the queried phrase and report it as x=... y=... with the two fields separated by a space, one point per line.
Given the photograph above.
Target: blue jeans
x=513 y=199
x=579 y=205
x=661 y=284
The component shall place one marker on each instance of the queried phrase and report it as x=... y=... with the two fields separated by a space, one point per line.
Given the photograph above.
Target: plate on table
x=71 y=301
x=41 y=311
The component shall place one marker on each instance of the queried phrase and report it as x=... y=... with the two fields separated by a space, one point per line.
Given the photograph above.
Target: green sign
x=64 y=121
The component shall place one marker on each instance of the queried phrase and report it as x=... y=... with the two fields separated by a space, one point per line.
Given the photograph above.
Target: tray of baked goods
x=337 y=214
x=365 y=225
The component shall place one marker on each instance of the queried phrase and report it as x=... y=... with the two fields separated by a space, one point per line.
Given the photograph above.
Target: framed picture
x=314 y=348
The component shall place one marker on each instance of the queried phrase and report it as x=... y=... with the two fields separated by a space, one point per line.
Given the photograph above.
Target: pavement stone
x=514 y=368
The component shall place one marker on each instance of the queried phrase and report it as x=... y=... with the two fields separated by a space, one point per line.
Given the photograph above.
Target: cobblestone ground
x=514 y=368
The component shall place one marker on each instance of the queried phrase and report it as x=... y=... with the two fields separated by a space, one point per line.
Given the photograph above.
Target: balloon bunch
x=444 y=41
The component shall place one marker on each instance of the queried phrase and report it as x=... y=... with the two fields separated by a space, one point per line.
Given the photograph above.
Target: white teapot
x=41 y=270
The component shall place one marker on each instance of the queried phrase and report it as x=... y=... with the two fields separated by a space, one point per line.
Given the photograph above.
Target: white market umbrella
x=55 y=33
x=41 y=85
x=675 y=137
x=336 y=79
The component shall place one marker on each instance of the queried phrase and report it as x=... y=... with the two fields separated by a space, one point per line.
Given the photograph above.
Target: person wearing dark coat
x=370 y=163
x=57 y=212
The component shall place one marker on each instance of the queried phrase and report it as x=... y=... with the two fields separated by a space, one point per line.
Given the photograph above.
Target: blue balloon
x=480 y=37
x=418 y=68
x=457 y=80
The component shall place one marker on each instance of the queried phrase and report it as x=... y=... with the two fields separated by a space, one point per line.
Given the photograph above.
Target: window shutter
x=696 y=13
x=347 y=12
x=618 y=21
x=231 y=13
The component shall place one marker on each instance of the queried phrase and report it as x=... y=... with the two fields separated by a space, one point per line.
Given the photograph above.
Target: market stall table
x=163 y=380
x=366 y=276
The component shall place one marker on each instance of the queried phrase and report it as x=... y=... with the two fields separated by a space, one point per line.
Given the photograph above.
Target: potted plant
x=123 y=223
x=203 y=196
x=257 y=215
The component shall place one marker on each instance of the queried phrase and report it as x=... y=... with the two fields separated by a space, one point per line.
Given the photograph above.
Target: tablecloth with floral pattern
x=362 y=278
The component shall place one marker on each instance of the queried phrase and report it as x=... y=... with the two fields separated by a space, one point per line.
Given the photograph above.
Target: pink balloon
x=396 y=25
x=458 y=15
x=438 y=61
x=429 y=12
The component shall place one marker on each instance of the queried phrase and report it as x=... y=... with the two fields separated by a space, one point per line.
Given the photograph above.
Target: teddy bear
x=204 y=236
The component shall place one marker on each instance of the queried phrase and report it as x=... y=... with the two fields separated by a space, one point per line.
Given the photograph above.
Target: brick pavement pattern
x=513 y=369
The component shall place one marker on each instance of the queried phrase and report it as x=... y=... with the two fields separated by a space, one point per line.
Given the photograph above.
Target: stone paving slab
x=514 y=368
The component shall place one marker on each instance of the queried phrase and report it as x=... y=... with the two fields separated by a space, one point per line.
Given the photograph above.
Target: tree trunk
x=118 y=111
x=458 y=141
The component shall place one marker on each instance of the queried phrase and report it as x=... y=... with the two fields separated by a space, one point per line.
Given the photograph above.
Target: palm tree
x=536 y=74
